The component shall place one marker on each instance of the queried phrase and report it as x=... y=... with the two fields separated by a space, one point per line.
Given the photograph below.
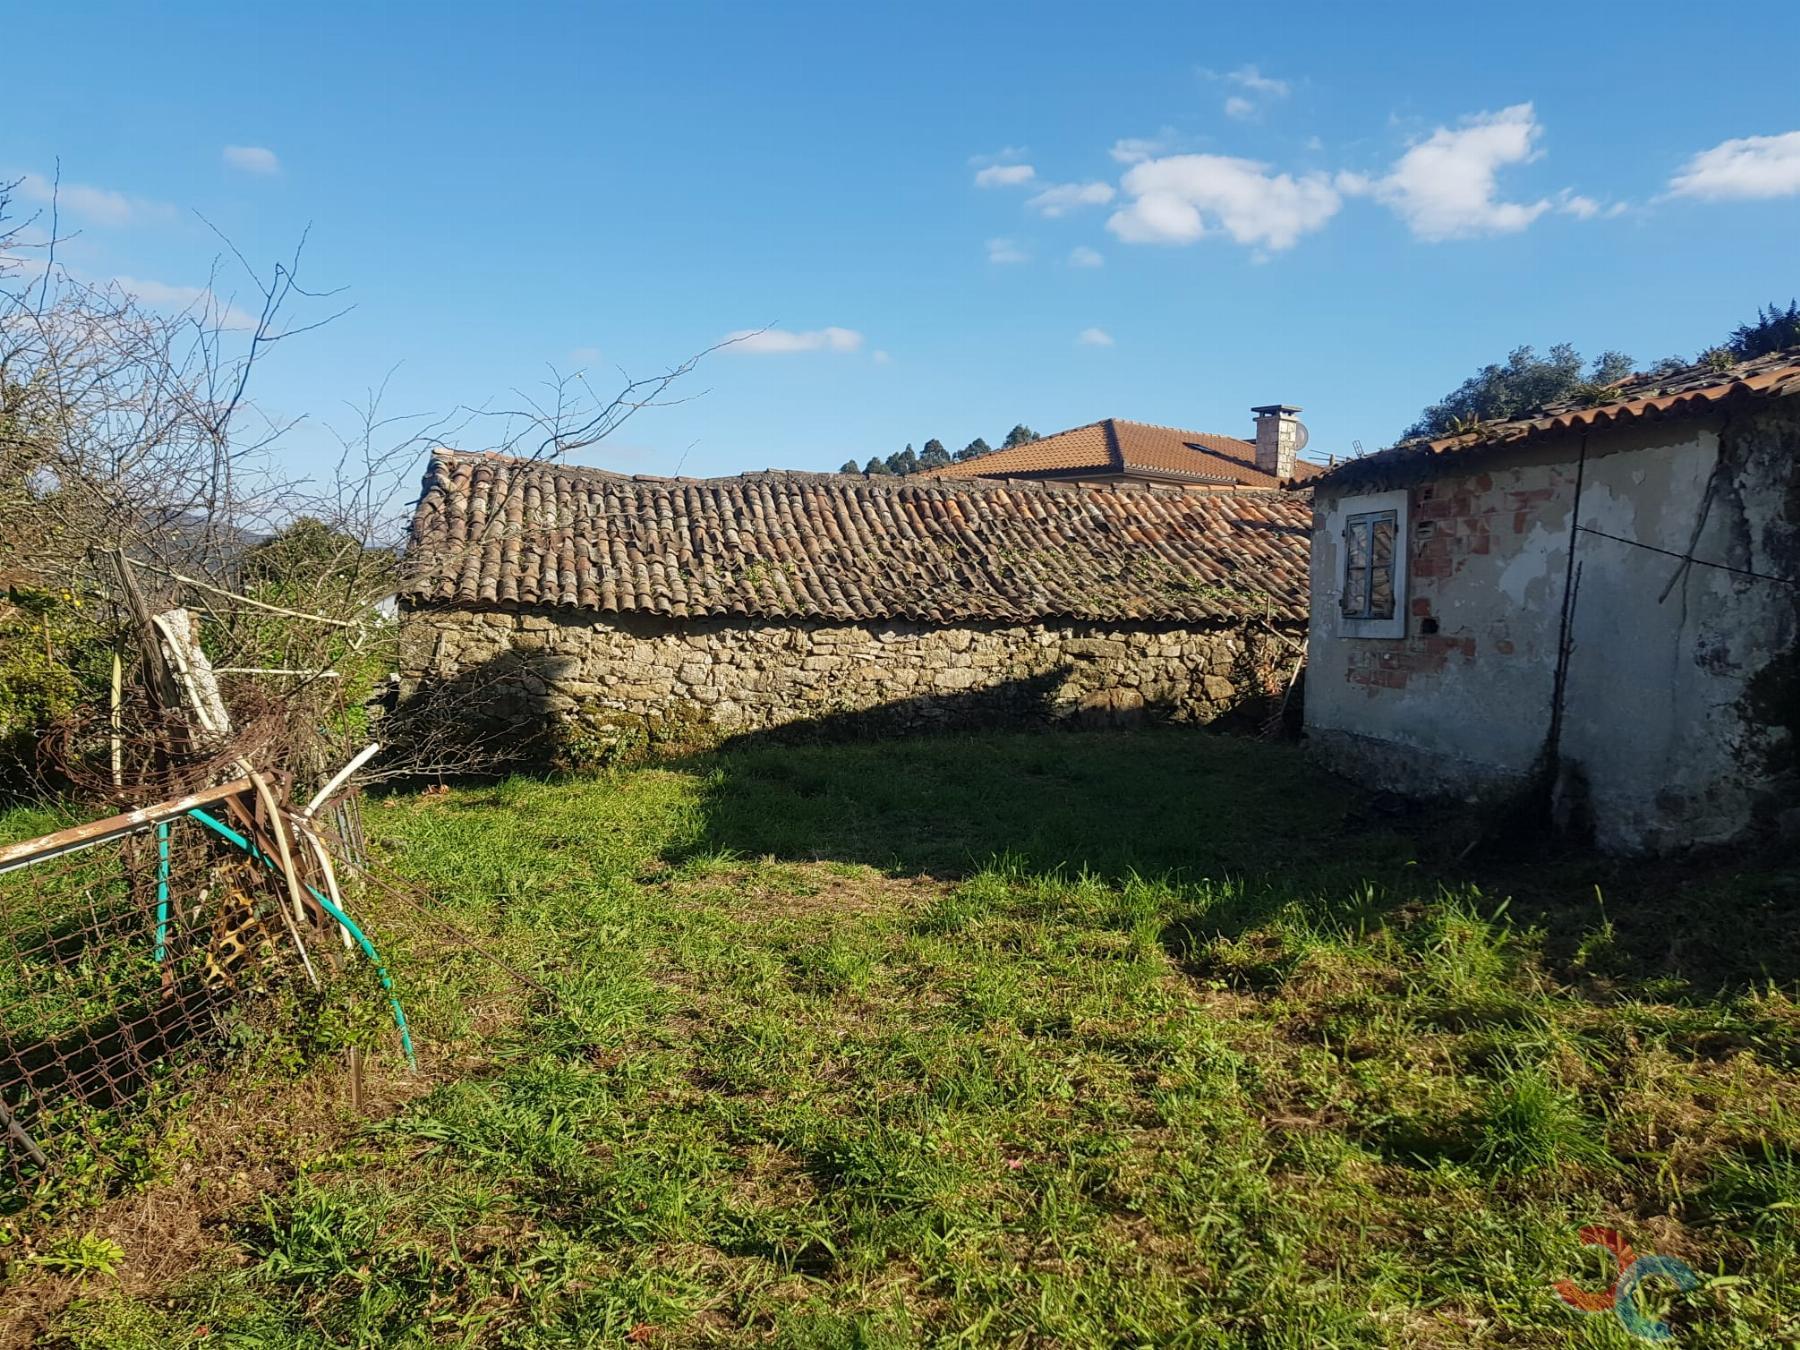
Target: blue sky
x=959 y=216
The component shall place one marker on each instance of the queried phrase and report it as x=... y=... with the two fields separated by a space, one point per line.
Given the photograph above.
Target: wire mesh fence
x=137 y=950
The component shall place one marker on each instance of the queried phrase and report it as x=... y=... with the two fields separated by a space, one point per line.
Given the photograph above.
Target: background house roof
x=1118 y=446
x=489 y=530
x=1688 y=392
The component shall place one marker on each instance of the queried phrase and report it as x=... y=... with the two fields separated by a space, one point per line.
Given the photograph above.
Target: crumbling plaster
x=1658 y=744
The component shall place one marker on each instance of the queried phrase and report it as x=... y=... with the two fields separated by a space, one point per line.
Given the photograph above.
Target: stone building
x=1119 y=451
x=541 y=595
x=1596 y=605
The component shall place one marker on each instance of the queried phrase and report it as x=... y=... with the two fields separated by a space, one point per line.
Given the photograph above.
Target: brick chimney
x=1277 y=438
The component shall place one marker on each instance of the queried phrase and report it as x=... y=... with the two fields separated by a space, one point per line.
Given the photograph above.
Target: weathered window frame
x=1369 y=543
x=1360 y=523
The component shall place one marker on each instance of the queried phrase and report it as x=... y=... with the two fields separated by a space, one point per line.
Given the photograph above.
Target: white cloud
x=783 y=342
x=203 y=302
x=1135 y=149
x=23 y=265
x=880 y=358
x=1095 y=337
x=252 y=159
x=1006 y=251
x=1062 y=198
x=207 y=306
x=1083 y=256
x=103 y=206
x=1445 y=186
x=1249 y=77
x=1005 y=175
x=1178 y=199
x=584 y=356
x=1744 y=169
x=1255 y=92
x=1574 y=204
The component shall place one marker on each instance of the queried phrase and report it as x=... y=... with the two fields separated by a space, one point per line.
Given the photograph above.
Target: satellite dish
x=1301 y=437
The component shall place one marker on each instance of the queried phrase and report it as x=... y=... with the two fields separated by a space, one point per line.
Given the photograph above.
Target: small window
x=1369 y=565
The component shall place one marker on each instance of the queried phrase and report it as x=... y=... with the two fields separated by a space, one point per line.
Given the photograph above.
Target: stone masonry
x=718 y=677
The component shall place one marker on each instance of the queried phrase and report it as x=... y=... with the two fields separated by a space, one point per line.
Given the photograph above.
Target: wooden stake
x=288 y=870
x=356 y=1079
x=118 y=700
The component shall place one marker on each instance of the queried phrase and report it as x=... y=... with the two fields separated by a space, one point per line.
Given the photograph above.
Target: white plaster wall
x=1655 y=706
x=1657 y=749
x=1465 y=721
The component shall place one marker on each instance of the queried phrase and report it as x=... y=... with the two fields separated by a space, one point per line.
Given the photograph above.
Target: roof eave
x=1453 y=450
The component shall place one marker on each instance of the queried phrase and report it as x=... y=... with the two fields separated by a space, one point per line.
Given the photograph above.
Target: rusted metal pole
x=78 y=837
x=16 y=1132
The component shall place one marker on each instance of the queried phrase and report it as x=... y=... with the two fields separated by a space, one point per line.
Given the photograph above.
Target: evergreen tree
x=934 y=456
x=1774 y=329
x=309 y=551
x=1526 y=381
x=904 y=463
x=1019 y=435
x=975 y=449
x=876 y=465
x=851 y=466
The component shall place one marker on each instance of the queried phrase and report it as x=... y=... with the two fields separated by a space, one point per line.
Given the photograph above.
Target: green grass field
x=1150 y=1039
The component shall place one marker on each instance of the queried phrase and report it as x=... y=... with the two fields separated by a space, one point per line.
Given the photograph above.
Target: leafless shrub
x=129 y=430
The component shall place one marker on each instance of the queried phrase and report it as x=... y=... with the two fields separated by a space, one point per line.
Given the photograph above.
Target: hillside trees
x=1522 y=382
x=1526 y=380
x=936 y=455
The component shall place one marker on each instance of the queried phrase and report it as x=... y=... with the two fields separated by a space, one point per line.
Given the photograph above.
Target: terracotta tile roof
x=1688 y=392
x=508 y=532
x=1118 y=446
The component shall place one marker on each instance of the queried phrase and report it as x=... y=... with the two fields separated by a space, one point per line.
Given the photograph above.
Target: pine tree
x=975 y=449
x=934 y=456
x=1019 y=435
x=876 y=465
x=851 y=466
x=903 y=463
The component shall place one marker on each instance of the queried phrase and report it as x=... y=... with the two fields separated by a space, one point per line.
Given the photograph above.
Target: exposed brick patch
x=1453 y=521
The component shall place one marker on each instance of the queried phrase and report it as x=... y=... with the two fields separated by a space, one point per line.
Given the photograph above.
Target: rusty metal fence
x=135 y=948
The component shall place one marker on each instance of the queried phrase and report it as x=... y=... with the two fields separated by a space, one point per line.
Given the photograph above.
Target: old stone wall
x=703 y=679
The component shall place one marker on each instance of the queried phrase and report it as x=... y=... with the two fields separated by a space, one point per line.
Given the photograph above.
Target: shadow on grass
x=1175 y=803
x=932 y=787
x=1189 y=805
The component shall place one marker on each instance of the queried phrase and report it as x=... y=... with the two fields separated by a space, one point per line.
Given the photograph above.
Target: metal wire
x=130 y=964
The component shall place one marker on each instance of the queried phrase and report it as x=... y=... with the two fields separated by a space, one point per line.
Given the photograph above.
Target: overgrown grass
x=1150 y=1040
